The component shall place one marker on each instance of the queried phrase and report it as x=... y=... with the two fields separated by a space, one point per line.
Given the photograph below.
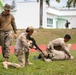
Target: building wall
x=27 y=14
x=62 y=11
x=51 y=16
x=61 y=16
x=72 y=20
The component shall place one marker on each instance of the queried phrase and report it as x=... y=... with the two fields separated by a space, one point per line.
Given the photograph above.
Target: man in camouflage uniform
x=58 y=49
x=7 y=22
x=22 y=49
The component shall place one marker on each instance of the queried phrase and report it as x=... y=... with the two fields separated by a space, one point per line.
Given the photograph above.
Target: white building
x=28 y=13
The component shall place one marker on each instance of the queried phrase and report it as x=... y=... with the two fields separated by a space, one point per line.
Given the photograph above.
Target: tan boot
x=29 y=63
x=5 y=65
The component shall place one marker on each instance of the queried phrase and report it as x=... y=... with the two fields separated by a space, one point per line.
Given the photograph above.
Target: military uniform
x=22 y=48
x=58 y=44
x=7 y=22
x=58 y=50
x=21 y=51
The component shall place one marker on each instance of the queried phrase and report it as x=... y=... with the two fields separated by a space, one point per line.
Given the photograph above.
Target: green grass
x=43 y=36
x=67 y=67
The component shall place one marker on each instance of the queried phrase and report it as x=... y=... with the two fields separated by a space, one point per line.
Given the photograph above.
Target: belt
x=5 y=31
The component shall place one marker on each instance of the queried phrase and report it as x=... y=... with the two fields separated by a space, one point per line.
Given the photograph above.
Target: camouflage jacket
x=7 y=22
x=22 y=41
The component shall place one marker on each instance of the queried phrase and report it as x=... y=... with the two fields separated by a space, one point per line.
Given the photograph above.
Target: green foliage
x=58 y=1
x=66 y=67
x=71 y=3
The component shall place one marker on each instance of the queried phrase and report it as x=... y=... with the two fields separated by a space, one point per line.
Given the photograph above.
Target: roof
x=61 y=11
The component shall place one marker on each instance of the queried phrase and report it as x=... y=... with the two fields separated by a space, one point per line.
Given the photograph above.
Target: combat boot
x=5 y=65
x=28 y=62
x=47 y=60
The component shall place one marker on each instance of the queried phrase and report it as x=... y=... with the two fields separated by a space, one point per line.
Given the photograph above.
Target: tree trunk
x=41 y=13
x=73 y=3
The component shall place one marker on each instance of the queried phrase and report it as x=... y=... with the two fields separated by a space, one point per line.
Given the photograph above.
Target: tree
x=41 y=9
x=71 y=3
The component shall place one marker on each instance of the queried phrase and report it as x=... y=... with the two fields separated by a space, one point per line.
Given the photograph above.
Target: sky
x=52 y=2
x=55 y=4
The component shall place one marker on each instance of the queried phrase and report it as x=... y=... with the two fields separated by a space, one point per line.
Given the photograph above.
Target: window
x=49 y=22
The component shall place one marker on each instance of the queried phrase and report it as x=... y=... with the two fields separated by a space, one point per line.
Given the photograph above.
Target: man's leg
x=20 y=65
x=27 y=57
x=7 y=43
x=21 y=60
x=7 y=64
x=58 y=55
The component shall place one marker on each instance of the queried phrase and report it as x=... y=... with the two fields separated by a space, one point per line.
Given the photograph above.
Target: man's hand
x=69 y=57
x=33 y=47
x=30 y=43
x=15 y=36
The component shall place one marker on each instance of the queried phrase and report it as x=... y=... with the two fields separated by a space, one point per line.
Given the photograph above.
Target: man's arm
x=24 y=42
x=66 y=50
x=13 y=24
x=36 y=46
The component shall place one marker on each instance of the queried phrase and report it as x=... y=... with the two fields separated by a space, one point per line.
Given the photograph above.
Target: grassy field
x=43 y=36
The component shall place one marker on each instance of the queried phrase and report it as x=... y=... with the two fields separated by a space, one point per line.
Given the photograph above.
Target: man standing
x=67 y=24
x=7 y=23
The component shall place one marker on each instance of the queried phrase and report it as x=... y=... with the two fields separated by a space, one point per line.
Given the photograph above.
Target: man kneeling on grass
x=22 y=49
x=58 y=49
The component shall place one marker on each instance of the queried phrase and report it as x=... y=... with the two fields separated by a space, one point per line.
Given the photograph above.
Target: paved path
x=43 y=47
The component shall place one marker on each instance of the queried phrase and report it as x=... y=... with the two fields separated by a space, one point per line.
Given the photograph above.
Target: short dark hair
x=67 y=36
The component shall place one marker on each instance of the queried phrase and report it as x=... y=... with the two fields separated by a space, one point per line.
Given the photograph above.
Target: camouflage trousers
x=22 y=56
x=5 y=42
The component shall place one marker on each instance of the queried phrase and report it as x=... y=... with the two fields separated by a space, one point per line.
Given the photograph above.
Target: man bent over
x=58 y=49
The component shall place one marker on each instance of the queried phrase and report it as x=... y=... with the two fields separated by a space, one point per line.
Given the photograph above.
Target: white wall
x=68 y=14
x=27 y=14
x=72 y=20
x=62 y=12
